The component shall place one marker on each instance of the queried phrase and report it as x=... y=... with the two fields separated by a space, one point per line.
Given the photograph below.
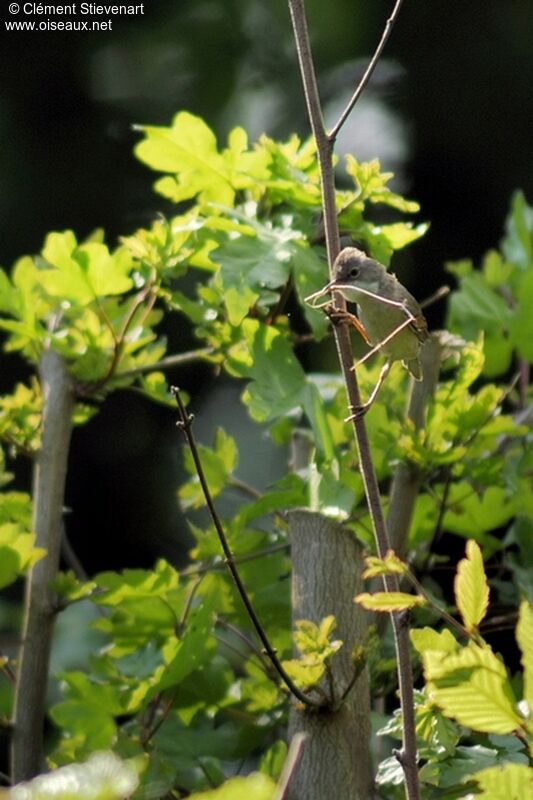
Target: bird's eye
x=354 y=272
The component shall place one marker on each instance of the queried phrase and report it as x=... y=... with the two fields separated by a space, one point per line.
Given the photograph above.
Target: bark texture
x=50 y=469
x=327 y=565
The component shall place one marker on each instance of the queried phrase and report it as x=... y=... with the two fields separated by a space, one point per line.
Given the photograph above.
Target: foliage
x=103 y=776
x=181 y=679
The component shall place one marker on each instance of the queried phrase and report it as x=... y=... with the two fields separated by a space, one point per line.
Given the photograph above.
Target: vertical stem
x=407 y=756
x=49 y=476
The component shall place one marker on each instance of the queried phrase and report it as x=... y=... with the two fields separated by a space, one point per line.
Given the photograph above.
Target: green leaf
x=424 y=639
x=187 y=150
x=20 y=417
x=471 y=514
x=390 y=565
x=471 y=587
x=316 y=647
x=310 y=274
x=401 y=234
x=104 y=776
x=477 y=302
x=256 y=786
x=17 y=552
x=472 y=687
x=187 y=653
x=524 y=637
x=277 y=378
x=372 y=185
x=522 y=323
x=90 y=723
x=518 y=242
x=505 y=782
x=389 y=601
x=329 y=494
x=155 y=386
x=83 y=273
x=272 y=761
x=316 y=413
x=217 y=463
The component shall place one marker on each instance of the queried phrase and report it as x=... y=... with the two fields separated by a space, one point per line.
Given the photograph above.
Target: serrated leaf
x=472 y=687
x=506 y=782
x=524 y=637
x=471 y=588
x=389 y=601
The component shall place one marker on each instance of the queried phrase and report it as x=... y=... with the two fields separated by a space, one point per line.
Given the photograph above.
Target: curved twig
x=368 y=73
x=184 y=424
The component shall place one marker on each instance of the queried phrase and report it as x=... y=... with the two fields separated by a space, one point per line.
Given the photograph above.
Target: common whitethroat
x=393 y=320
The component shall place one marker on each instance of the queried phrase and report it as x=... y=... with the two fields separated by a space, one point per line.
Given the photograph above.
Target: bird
x=391 y=317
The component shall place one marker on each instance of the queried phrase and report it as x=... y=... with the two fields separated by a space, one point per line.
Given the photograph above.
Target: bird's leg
x=384 y=341
x=338 y=316
x=359 y=411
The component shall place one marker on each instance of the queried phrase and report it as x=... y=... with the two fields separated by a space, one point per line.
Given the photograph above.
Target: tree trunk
x=326 y=575
x=50 y=469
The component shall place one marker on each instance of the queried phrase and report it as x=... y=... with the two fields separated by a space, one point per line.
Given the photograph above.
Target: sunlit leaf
x=389 y=601
x=471 y=587
x=505 y=782
x=524 y=637
x=472 y=687
x=389 y=565
x=428 y=639
x=256 y=786
x=104 y=776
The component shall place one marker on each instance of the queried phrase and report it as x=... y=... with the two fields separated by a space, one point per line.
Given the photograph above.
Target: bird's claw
x=339 y=316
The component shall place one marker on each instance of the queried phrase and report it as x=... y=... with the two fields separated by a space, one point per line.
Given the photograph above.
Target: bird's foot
x=338 y=316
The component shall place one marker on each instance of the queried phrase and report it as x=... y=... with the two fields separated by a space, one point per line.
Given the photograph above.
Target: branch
x=368 y=73
x=185 y=423
x=166 y=363
x=324 y=145
x=40 y=602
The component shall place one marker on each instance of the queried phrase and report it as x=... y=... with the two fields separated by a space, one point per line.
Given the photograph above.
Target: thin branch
x=201 y=569
x=368 y=73
x=167 y=363
x=265 y=665
x=246 y=488
x=324 y=145
x=452 y=622
x=185 y=423
x=188 y=604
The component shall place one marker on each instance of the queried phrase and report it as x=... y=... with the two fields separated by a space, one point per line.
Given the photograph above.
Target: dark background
x=450 y=110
